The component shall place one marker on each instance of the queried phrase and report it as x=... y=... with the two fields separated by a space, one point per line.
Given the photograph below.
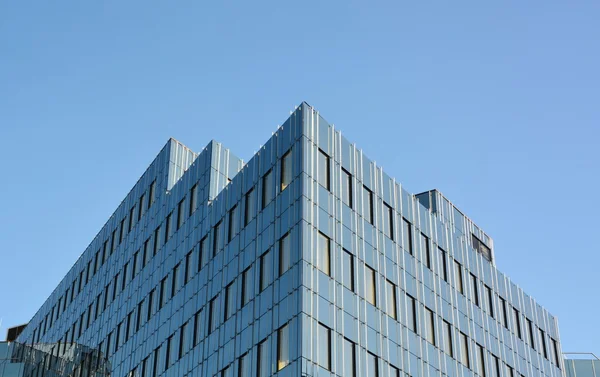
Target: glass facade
x=278 y=266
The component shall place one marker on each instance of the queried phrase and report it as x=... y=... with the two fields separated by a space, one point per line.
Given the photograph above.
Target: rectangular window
x=323 y=169
x=323 y=253
x=263 y=369
x=430 y=320
x=182 y=340
x=286 y=170
x=555 y=352
x=481 y=360
x=203 y=253
x=349 y=359
x=213 y=316
x=168 y=227
x=266 y=270
x=122 y=231
x=458 y=277
x=324 y=343
x=368 y=205
x=490 y=301
x=283 y=347
x=448 y=339
x=227 y=372
x=394 y=372
x=391 y=299
x=147 y=255
x=105 y=252
x=503 y=312
x=474 y=290
x=245 y=366
x=150 y=304
x=138 y=319
x=250 y=209
x=168 y=352
x=372 y=365
x=124 y=277
x=411 y=313
x=464 y=350
x=246 y=286
x=348 y=270
x=162 y=299
x=268 y=191
x=346 y=188
x=197 y=335
x=444 y=264
x=233 y=223
x=142 y=206
x=218 y=238
x=496 y=366
x=157 y=241
x=193 y=198
x=371 y=292
x=517 y=321
x=175 y=280
x=180 y=213
x=229 y=301
x=131 y=219
x=388 y=221
x=530 y=333
x=188 y=266
x=510 y=372
x=426 y=252
x=155 y=363
x=151 y=194
x=285 y=254
x=114 y=241
x=407 y=231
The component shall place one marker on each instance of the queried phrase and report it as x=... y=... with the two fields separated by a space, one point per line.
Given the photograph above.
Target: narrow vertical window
x=464 y=350
x=266 y=270
x=124 y=277
x=203 y=253
x=530 y=333
x=246 y=286
x=448 y=339
x=283 y=347
x=372 y=365
x=162 y=296
x=388 y=221
x=517 y=320
x=175 y=280
x=481 y=360
x=151 y=194
x=142 y=206
x=182 y=340
x=213 y=316
x=285 y=254
x=368 y=205
x=408 y=242
x=188 y=265
x=218 y=238
x=458 y=277
x=426 y=250
x=122 y=231
x=490 y=301
x=114 y=241
x=474 y=290
x=250 y=209
x=503 y=312
x=346 y=188
x=229 y=301
x=180 y=213
x=371 y=290
x=444 y=264
x=150 y=304
x=155 y=371
x=323 y=253
x=193 y=198
x=391 y=299
x=168 y=226
x=324 y=341
x=286 y=170
x=496 y=366
x=323 y=170
x=348 y=270
x=233 y=223
x=131 y=218
x=245 y=366
x=157 y=241
x=430 y=319
x=411 y=313
x=555 y=353
x=197 y=334
x=263 y=369
x=267 y=189
x=349 y=359
x=168 y=352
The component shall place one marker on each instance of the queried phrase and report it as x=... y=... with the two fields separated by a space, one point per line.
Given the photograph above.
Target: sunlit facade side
x=309 y=260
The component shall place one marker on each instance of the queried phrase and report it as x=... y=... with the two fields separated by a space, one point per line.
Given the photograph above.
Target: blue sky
x=493 y=103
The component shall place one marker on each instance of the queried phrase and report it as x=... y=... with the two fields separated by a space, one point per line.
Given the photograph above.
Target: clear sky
x=495 y=103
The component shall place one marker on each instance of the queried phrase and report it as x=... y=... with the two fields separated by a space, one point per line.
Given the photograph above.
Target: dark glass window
x=283 y=347
x=391 y=299
x=151 y=194
x=348 y=270
x=474 y=290
x=324 y=253
x=444 y=264
x=266 y=270
x=388 y=220
x=368 y=205
x=142 y=206
x=408 y=242
x=246 y=286
x=448 y=339
x=250 y=210
x=233 y=223
x=323 y=170
x=324 y=343
x=372 y=365
x=285 y=254
x=229 y=301
x=430 y=321
x=180 y=213
x=349 y=359
x=481 y=360
x=458 y=277
x=286 y=170
x=411 y=313
x=371 y=291
x=218 y=238
x=464 y=350
x=346 y=188
x=193 y=198
x=490 y=301
x=268 y=192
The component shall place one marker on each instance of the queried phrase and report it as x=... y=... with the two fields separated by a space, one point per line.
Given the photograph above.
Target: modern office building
x=309 y=260
x=582 y=365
